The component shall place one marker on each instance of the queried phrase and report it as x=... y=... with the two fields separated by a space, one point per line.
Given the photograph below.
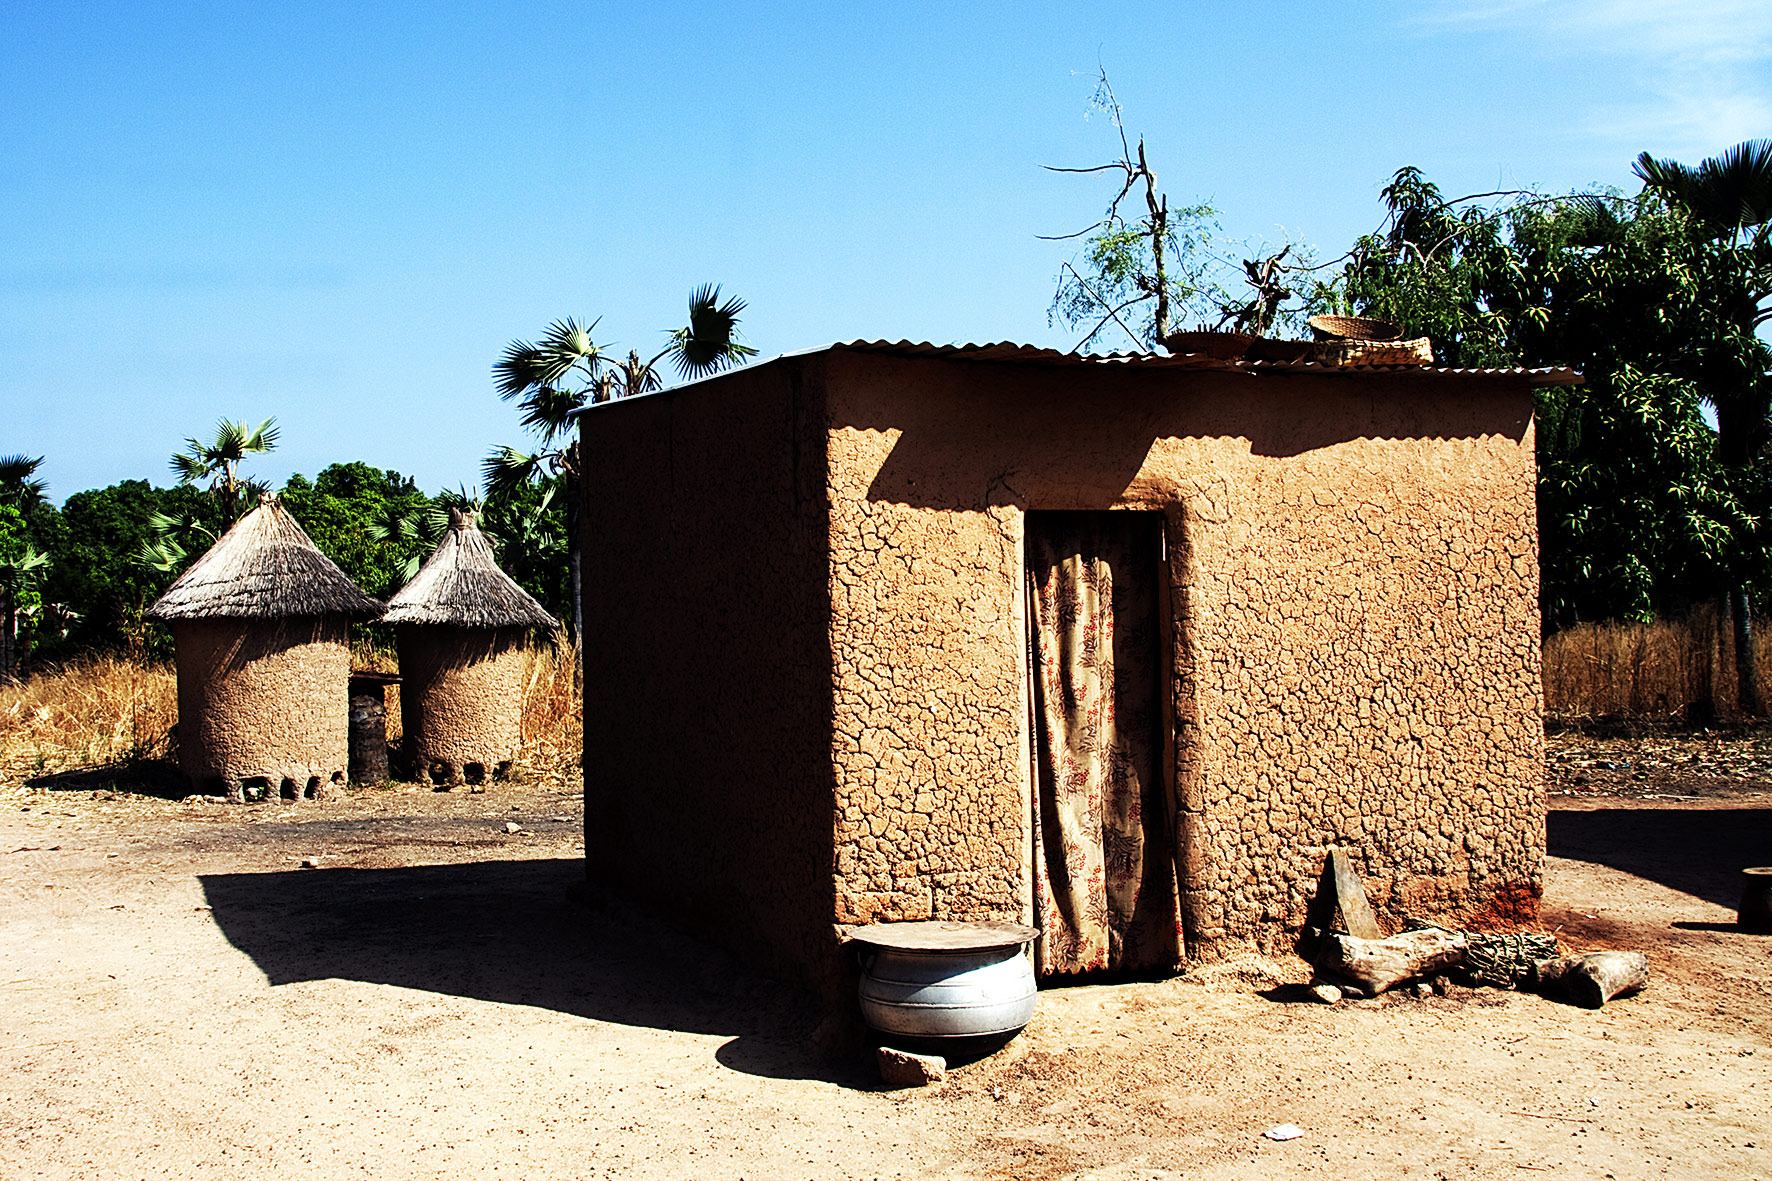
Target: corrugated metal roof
x=1023 y=354
x=1007 y=352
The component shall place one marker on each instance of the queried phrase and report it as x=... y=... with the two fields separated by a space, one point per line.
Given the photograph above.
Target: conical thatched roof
x=462 y=586
x=263 y=568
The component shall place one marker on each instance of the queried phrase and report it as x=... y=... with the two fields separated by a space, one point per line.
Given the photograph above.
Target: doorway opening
x=1098 y=641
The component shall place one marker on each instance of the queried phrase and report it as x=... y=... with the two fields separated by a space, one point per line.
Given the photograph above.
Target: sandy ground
x=182 y=999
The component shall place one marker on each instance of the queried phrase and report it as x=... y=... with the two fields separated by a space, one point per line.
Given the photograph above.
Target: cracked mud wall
x=707 y=683
x=461 y=699
x=1354 y=577
x=263 y=699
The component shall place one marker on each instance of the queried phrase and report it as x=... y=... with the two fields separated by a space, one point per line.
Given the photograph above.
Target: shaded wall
x=461 y=700
x=263 y=700
x=1354 y=578
x=707 y=664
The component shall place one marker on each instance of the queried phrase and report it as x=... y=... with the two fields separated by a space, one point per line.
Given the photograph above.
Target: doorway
x=1104 y=872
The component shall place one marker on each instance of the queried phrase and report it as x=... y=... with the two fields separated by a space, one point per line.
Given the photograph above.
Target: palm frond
x=565 y=345
x=190 y=466
x=230 y=439
x=15 y=572
x=548 y=410
x=162 y=554
x=261 y=438
x=1730 y=191
x=17 y=488
x=505 y=469
x=709 y=343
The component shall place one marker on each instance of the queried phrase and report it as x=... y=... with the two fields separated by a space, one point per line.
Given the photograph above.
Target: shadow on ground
x=507 y=931
x=1698 y=851
x=146 y=777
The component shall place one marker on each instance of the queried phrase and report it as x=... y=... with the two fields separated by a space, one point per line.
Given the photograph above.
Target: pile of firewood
x=1431 y=958
x=1363 y=963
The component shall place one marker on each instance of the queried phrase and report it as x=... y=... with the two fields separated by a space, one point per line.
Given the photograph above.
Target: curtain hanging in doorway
x=1104 y=875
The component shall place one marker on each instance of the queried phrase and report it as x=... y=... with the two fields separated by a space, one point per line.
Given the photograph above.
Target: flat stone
x=1328 y=994
x=900 y=1068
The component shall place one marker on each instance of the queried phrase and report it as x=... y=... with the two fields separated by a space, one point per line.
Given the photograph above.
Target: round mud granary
x=461 y=625
x=262 y=627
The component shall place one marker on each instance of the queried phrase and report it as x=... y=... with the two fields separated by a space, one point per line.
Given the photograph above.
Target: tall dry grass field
x=1668 y=670
x=553 y=714
x=100 y=711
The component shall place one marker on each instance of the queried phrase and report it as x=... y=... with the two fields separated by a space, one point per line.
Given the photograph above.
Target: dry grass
x=99 y=711
x=1669 y=670
x=111 y=713
x=553 y=717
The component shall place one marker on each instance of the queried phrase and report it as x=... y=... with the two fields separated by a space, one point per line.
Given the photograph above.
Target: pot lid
x=944 y=935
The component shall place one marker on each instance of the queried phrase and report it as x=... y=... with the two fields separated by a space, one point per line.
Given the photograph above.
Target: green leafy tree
x=1137 y=270
x=21 y=568
x=1727 y=203
x=98 y=575
x=344 y=509
x=555 y=376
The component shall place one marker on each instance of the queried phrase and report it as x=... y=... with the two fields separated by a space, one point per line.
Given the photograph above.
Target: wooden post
x=369 y=726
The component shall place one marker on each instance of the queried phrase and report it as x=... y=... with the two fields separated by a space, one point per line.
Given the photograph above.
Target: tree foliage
x=1643 y=507
x=345 y=509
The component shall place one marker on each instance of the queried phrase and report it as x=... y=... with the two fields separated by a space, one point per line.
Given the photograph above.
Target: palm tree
x=220 y=458
x=556 y=376
x=1729 y=201
x=18 y=488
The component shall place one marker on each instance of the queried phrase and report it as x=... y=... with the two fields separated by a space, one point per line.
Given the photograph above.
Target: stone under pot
x=462 y=627
x=262 y=628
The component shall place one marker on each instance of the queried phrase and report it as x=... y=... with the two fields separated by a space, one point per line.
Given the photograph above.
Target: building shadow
x=1697 y=851
x=519 y=933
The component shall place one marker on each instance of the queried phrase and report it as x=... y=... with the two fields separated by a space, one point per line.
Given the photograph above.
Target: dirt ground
x=180 y=997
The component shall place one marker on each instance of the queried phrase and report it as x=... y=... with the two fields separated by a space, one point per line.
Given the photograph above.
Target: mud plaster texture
x=263 y=703
x=819 y=570
x=461 y=700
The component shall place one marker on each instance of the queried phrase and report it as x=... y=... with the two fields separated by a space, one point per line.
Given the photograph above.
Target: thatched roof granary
x=461 y=624
x=262 y=627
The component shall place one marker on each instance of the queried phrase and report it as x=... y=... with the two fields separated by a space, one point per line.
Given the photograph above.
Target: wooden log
x=1378 y=964
x=1593 y=979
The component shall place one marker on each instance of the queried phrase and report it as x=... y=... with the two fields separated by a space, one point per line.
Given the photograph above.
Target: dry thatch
x=461 y=585
x=263 y=568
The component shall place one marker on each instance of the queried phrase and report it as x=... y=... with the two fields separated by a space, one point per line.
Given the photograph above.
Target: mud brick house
x=1120 y=646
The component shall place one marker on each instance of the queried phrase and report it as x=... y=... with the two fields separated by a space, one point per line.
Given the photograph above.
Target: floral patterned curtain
x=1104 y=876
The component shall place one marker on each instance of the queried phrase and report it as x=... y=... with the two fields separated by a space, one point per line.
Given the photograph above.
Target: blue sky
x=340 y=214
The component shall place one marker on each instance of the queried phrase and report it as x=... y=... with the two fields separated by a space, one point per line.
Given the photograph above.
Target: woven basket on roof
x=1221 y=346
x=1353 y=328
x=1353 y=353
